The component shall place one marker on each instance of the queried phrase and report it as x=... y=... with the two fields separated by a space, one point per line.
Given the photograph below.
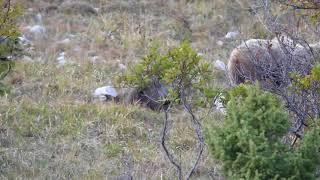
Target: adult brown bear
x=270 y=61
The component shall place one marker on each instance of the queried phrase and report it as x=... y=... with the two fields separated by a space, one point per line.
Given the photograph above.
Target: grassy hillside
x=51 y=127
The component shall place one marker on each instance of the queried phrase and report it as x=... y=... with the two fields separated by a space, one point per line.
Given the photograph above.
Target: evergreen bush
x=249 y=141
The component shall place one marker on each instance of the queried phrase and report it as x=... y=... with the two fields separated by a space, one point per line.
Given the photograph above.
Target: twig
x=300 y=6
x=197 y=127
x=163 y=143
x=3 y=75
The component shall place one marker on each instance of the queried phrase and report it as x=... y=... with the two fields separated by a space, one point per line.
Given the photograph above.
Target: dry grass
x=52 y=128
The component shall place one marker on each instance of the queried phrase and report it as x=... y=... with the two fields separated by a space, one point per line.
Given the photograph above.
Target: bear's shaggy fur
x=269 y=61
x=151 y=96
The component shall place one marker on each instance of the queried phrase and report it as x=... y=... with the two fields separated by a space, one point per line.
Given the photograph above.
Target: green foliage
x=181 y=68
x=308 y=82
x=248 y=142
x=112 y=150
x=9 y=33
x=9 y=15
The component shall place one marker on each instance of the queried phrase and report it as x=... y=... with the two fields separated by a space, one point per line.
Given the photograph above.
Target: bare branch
x=198 y=129
x=3 y=75
x=163 y=143
x=300 y=7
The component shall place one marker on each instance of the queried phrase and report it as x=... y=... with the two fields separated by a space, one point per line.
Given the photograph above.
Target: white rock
x=219 y=105
x=24 y=40
x=77 y=49
x=72 y=35
x=220 y=65
x=27 y=58
x=65 y=41
x=106 y=91
x=62 y=54
x=220 y=43
x=61 y=59
x=232 y=35
x=110 y=34
x=94 y=59
x=39 y=18
x=37 y=29
x=122 y=66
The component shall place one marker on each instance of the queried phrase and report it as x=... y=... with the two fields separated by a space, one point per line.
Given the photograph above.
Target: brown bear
x=269 y=61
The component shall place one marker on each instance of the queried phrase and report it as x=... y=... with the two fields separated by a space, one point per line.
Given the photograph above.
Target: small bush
x=249 y=141
x=181 y=69
x=187 y=78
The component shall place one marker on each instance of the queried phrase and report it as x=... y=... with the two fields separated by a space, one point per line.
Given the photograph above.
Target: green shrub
x=303 y=95
x=180 y=68
x=9 y=33
x=187 y=77
x=310 y=82
x=249 y=141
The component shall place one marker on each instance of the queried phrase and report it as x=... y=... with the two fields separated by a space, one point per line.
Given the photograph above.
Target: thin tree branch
x=198 y=129
x=3 y=75
x=300 y=7
x=163 y=143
